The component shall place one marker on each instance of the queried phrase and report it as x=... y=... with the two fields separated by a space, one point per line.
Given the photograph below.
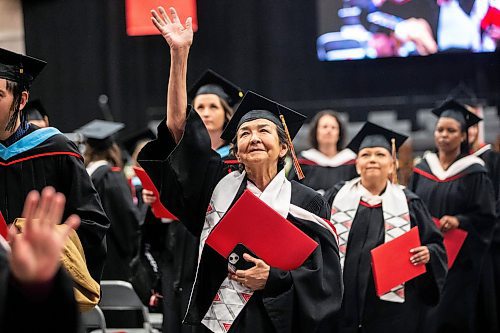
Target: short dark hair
x=313 y=131
x=282 y=140
x=17 y=92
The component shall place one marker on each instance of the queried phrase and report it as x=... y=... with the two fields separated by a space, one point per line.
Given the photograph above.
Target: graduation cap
x=455 y=110
x=371 y=135
x=19 y=68
x=130 y=141
x=34 y=110
x=212 y=83
x=99 y=133
x=254 y=106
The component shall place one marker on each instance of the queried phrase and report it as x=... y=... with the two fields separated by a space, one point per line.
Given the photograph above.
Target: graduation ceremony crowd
x=73 y=215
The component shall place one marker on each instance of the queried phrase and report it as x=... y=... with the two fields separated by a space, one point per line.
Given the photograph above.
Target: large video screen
x=360 y=29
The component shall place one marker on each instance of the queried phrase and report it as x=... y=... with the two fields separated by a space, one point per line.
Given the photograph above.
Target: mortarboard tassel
x=296 y=165
x=395 y=161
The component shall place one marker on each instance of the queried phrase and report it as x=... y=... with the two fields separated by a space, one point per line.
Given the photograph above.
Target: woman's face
x=328 y=131
x=374 y=164
x=258 y=143
x=210 y=109
x=473 y=132
x=448 y=135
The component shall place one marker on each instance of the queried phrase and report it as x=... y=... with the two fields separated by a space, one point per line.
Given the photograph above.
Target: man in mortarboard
x=456 y=189
x=369 y=211
x=32 y=158
x=191 y=176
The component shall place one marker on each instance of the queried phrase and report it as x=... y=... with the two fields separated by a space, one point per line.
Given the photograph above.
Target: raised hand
x=178 y=36
x=37 y=251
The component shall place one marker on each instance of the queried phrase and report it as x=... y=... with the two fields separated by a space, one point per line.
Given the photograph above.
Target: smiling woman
x=192 y=177
x=369 y=211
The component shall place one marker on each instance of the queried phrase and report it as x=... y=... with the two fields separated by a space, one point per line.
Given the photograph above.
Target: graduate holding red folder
x=195 y=186
x=391 y=273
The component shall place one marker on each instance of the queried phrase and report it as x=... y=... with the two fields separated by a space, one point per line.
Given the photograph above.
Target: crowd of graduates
x=216 y=143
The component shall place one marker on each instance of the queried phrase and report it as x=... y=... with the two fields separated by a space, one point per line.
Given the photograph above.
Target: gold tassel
x=296 y=165
x=395 y=162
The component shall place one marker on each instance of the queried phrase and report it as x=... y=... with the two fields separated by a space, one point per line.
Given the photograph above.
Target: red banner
x=138 y=14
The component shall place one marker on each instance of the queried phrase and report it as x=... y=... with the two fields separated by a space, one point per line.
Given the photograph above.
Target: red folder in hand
x=453 y=241
x=262 y=230
x=4 y=230
x=391 y=262
x=157 y=207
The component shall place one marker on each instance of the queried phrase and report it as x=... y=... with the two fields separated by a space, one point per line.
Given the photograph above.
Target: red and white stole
x=481 y=150
x=396 y=218
x=232 y=297
x=454 y=169
x=344 y=156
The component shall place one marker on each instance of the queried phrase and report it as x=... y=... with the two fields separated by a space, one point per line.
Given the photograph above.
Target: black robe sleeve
x=306 y=299
x=429 y=285
x=185 y=174
x=53 y=310
x=123 y=233
x=83 y=200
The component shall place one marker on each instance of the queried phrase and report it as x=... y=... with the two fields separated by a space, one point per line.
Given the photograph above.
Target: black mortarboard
x=19 y=68
x=455 y=110
x=130 y=141
x=254 y=106
x=99 y=133
x=371 y=135
x=34 y=110
x=212 y=83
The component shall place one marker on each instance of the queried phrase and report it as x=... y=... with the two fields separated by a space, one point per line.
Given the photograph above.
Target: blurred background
x=277 y=48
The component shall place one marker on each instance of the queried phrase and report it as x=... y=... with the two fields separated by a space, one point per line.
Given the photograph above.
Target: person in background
x=369 y=211
x=104 y=165
x=489 y=310
x=213 y=97
x=36 y=295
x=458 y=193
x=32 y=158
x=36 y=114
x=326 y=163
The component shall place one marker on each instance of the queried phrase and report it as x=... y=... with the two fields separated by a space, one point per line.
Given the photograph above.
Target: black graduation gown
x=362 y=310
x=56 y=162
x=490 y=306
x=322 y=177
x=303 y=300
x=469 y=197
x=122 y=237
x=53 y=310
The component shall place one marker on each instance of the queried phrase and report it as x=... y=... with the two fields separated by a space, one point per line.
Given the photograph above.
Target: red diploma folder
x=453 y=241
x=262 y=230
x=4 y=231
x=158 y=209
x=391 y=262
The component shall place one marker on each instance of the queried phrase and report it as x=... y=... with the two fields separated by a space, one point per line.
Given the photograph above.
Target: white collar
x=454 y=169
x=482 y=150
x=93 y=166
x=321 y=159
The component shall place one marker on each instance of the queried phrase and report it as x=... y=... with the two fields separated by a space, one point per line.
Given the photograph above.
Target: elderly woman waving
x=191 y=177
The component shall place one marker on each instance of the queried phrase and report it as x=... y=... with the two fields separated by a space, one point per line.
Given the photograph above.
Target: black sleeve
x=430 y=284
x=123 y=213
x=185 y=174
x=83 y=200
x=53 y=310
x=479 y=218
